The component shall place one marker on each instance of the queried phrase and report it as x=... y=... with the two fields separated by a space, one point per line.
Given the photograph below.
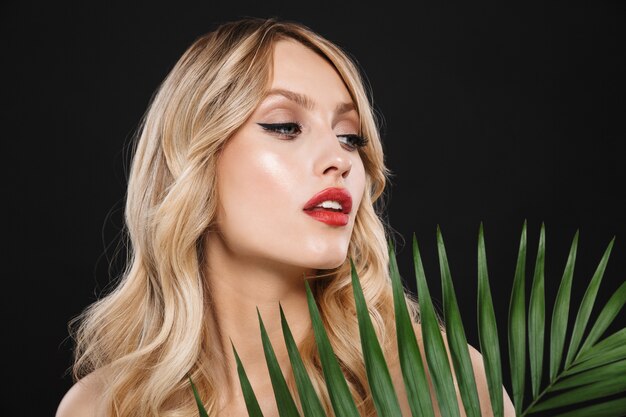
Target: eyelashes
x=289 y=130
x=355 y=141
x=292 y=129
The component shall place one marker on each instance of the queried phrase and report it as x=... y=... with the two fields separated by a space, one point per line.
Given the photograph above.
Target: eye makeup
x=355 y=141
x=290 y=130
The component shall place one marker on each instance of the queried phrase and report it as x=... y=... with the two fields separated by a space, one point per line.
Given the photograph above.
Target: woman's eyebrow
x=307 y=102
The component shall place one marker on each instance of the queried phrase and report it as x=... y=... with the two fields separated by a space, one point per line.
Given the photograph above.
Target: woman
x=256 y=168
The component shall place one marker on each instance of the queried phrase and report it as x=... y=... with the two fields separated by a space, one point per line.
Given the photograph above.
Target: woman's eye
x=292 y=129
x=289 y=130
x=353 y=141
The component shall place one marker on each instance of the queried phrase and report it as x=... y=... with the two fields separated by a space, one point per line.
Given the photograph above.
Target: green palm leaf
x=536 y=318
x=284 y=400
x=597 y=389
x=517 y=326
x=340 y=397
x=592 y=375
x=592 y=371
x=613 y=408
x=436 y=354
x=201 y=409
x=311 y=405
x=488 y=331
x=456 y=336
x=561 y=312
x=610 y=343
x=605 y=358
x=587 y=373
x=411 y=363
x=587 y=304
x=378 y=376
x=606 y=317
x=252 y=404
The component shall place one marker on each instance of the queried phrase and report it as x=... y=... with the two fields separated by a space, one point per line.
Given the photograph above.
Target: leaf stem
x=528 y=409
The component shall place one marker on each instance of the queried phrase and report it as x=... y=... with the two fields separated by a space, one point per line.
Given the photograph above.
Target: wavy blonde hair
x=157 y=326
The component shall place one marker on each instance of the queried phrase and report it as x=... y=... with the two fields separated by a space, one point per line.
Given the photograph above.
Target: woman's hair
x=157 y=326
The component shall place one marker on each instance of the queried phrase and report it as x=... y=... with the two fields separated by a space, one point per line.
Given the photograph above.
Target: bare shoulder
x=81 y=398
x=479 y=373
x=483 y=389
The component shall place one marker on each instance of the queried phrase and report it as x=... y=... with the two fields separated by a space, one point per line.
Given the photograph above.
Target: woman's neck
x=238 y=287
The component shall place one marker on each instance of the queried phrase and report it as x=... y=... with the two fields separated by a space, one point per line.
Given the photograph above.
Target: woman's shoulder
x=82 y=398
x=476 y=359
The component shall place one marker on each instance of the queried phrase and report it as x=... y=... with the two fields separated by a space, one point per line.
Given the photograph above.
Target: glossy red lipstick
x=330 y=216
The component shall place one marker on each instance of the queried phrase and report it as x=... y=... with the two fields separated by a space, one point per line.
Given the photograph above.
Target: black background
x=491 y=113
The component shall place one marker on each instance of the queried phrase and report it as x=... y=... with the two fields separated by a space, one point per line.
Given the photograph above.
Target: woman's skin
x=265 y=243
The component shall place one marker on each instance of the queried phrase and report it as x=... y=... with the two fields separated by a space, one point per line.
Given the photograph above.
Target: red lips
x=330 y=217
x=340 y=195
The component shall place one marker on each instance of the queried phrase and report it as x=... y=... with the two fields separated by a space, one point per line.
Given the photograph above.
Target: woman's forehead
x=311 y=78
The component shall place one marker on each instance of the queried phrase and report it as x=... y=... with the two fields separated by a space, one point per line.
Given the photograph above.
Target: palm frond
x=436 y=354
x=488 y=332
x=517 y=326
x=201 y=409
x=340 y=397
x=587 y=304
x=411 y=363
x=456 y=336
x=311 y=404
x=383 y=392
x=580 y=384
x=592 y=370
x=284 y=400
x=252 y=404
x=536 y=317
x=560 y=313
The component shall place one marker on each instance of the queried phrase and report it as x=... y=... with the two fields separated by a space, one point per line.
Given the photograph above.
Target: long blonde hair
x=157 y=326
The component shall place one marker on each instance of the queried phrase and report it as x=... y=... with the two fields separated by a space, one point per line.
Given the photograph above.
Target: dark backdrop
x=491 y=113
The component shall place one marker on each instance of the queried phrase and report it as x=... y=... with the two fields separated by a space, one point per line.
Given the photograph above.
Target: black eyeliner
x=270 y=126
x=276 y=128
x=355 y=141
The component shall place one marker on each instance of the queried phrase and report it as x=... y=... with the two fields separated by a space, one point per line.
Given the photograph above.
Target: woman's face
x=298 y=143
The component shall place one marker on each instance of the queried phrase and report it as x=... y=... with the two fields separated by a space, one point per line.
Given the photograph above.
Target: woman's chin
x=330 y=261
x=318 y=253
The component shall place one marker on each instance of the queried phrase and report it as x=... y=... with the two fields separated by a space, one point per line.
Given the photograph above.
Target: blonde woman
x=256 y=168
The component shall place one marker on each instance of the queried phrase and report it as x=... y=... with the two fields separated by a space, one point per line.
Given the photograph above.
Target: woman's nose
x=332 y=158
